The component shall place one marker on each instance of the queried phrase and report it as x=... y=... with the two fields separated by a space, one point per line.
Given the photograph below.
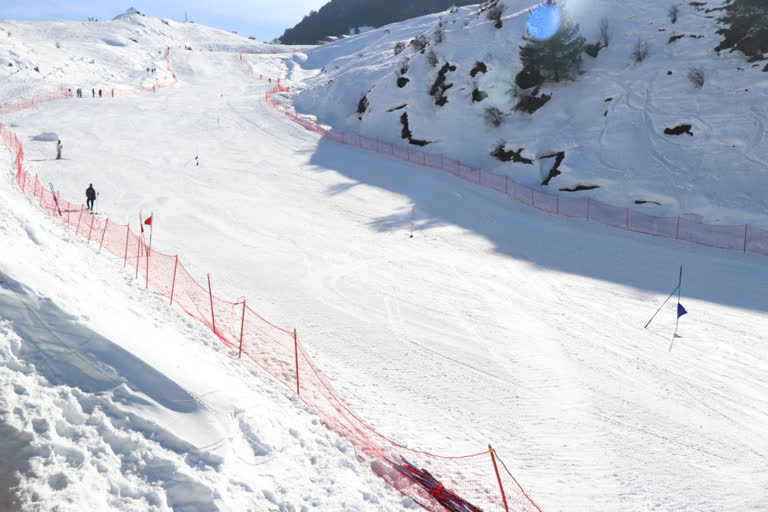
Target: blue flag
x=680 y=310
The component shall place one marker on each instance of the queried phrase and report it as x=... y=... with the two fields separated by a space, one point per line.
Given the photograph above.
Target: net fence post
x=77 y=229
x=127 y=235
x=498 y=477
x=173 y=282
x=106 y=225
x=210 y=295
x=296 y=355
x=242 y=325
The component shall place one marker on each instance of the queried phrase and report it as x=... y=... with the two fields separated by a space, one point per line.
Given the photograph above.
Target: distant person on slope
x=58 y=149
x=90 y=195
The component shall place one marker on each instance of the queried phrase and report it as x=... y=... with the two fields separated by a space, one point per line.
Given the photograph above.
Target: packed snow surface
x=494 y=323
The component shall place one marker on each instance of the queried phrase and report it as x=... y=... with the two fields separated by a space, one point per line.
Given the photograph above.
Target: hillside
x=339 y=17
x=457 y=96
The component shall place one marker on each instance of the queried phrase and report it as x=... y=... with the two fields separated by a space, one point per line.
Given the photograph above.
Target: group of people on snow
x=79 y=92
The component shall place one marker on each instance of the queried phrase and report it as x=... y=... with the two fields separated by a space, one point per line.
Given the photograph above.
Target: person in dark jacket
x=90 y=195
x=58 y=149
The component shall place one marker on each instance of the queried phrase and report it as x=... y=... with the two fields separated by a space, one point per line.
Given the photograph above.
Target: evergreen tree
x=554 y=59
x=339 y=16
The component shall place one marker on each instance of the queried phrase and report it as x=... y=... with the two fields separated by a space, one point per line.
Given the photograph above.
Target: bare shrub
x=640 y=50
x=432 y=58
x=672 y=13
x=696 y=76
x=494 y=14
x=493 y=117
x=439 y=34
x=399 y=47
x=605 y=32
x=404 y=65
x=418 y=43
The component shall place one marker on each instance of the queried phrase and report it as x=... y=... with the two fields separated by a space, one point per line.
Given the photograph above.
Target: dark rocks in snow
x=669 y=73
x=529 y=77
x=593 y=49
x=362 y=106
x=506 y=156
x=579 y=188
x=678 y=130
x=401 y=81
x=478 y=95
x=531 y=103
x=554 y=171
x=608 y=99
x=672 y=39
x=406 y=132
x=479 y=67
x=398 y=107
x=440 y=86
x=639 y=201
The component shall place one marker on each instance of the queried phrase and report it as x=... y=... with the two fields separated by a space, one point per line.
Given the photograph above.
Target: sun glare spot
x=544 y=21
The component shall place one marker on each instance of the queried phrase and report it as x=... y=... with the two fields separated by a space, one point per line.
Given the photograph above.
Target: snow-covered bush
x=493 y=117
x=696 y=76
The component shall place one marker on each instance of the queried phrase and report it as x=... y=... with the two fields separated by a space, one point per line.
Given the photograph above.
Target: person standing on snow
x=58 y=149
x=90 y=195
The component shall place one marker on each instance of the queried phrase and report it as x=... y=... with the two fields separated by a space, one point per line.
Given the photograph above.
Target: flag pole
x=657 y=311
x=677 y=320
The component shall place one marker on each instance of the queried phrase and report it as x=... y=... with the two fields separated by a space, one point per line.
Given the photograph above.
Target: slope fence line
x=470 y=483
x=743 y=237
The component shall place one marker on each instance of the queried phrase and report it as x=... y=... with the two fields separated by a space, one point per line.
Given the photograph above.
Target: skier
x=99 y=93
x=93 y=93
x=58 y=149
x=90 y=195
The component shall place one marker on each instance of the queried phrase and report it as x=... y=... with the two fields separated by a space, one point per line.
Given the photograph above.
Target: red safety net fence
x=478 y=482
x=742 y=237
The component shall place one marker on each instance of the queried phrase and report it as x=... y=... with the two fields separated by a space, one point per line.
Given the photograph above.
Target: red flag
x=148 y=221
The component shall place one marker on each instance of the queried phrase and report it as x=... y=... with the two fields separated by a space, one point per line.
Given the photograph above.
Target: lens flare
x=544 y=21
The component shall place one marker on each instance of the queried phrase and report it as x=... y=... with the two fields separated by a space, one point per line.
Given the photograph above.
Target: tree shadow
x=557 y=243
x=67 y=353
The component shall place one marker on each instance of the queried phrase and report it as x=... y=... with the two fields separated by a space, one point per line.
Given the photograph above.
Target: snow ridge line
x=277 y=350
x=744 y=238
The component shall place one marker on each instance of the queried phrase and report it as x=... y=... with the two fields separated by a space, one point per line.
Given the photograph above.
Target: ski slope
x=494 y=323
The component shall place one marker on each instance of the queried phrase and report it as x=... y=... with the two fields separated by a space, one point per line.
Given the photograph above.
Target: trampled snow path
x=495 y=323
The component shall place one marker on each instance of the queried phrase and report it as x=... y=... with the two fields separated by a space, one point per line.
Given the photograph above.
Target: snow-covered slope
x=494 y=323
x=609 y=123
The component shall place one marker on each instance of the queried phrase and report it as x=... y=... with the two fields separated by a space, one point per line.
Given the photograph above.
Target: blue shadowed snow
x=544 y=21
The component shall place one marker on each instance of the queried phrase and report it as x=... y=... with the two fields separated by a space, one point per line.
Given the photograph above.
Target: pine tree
x=554 y=59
